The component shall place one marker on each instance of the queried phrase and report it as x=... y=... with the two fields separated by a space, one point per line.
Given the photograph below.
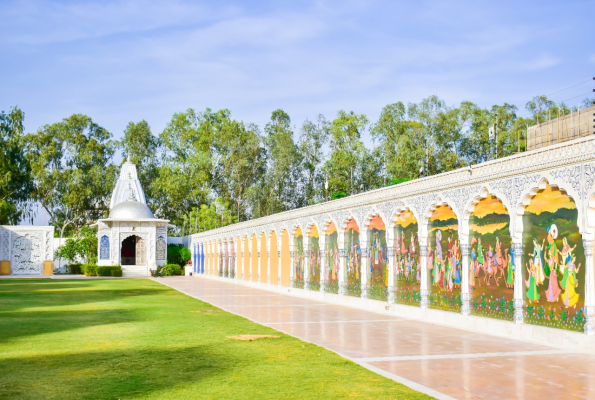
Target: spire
x=131 y=196
x=128 y=186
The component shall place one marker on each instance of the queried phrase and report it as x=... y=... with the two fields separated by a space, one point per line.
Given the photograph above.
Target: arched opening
x=444 y=260
x=246 y=258
x=264 y=259
x=285 y=259
x=314 y=259
x=354 y=259
x=491 y=262
x=299 y=260
x=407 y=262
x=133 y=251
x=553 y=261
x=232 y=259
x=274 y=259
x=332 y=260
x=377 y=259
x=254 y=247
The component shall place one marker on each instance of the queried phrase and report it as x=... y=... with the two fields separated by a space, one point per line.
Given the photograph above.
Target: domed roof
x=130 y=210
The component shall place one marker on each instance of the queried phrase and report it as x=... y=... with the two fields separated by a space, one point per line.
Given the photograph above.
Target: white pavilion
x=131 y=236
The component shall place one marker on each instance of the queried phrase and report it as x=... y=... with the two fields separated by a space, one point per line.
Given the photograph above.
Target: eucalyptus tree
x=346 y=151
x=312 y=142
x=71 y=163
x=185 y=174
x=15 y=172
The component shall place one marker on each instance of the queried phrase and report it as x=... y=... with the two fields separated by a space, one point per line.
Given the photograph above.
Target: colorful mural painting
x=331 y=257
x=313 y=259
x=299 y=260
x=377 y=260
x=353 y=259
x=491 y=262
x=444 y=260
x=406 y=262
x=553 y=262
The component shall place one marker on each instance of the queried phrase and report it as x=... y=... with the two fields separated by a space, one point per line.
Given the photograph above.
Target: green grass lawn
x=135 y=338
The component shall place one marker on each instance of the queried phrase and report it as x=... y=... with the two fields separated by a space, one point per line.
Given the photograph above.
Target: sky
x=122 y=61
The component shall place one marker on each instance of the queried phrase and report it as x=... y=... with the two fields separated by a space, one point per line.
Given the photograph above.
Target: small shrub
x=74 y=268
x=178 y=254
x=89 y=269
x=117 y=272
x=171 y=269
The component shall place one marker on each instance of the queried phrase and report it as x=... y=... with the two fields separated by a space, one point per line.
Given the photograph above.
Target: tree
x=141 y=146
x=72 y=167
x=347 y=150
x=15 y=172
x=313 y=138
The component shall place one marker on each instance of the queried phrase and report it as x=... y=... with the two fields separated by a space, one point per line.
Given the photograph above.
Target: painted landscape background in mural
x=314 y=259
x=407 y=266
x=353 y=260
x=377 y=260
x=298 y=260
x=444 y=260
x=331 y=272
x=553 y=262
x=491 y=266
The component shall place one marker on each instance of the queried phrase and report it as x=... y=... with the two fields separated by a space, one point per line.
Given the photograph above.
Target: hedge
x=89 y=269
x=107 y=270
x=74 y=268
x=117 y=273
x=171 y=269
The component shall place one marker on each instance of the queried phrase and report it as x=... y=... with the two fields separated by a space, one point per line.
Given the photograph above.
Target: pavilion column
x=364 y=269
x=423 y=253
x=465 y=279
x=589 y=308
x=517 y=250
x=323 y=266
x=291 y=255
x=229 y=258
x=268 y=242
x=342 y=275
x=391 y=275
x=242 y=264
x=219 y=253
x=279 y=265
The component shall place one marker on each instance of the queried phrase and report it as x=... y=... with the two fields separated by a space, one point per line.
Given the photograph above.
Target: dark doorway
x=129 y=250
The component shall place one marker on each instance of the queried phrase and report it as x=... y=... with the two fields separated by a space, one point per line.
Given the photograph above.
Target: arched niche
x=377 y=258
x=491 y=261
x=285 y=258
x=444 y=259
x=274 y=258
x=299 y=258
x=332 y=260
x=264 y=257
x=314 y=260
x=406 y=260
x=353 y=258
x=553 y=259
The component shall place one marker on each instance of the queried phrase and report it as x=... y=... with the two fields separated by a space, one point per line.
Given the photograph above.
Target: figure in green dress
x=510 y=276
x=531 y=283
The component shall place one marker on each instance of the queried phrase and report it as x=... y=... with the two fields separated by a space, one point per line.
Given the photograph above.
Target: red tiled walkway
x=441 y=361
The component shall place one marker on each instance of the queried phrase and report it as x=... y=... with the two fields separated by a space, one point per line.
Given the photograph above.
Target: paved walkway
x=441 y=361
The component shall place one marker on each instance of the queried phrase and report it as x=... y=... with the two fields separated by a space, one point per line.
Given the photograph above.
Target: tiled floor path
x=441 y=361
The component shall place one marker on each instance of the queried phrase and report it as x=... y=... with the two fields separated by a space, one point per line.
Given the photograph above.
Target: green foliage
x=72 y=167
x=108 y=270
x=171 y=269
x=16 y=182
x=338 y=195
x=84 y=245
x=117 y=273
x=74 y=268
x=89 y=269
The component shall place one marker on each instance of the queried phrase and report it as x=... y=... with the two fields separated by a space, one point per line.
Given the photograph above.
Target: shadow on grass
x=21 y=294
x=111 y=374
x=16 y=325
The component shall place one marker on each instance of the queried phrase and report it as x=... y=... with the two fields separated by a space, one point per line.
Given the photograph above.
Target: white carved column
x=250 y=260
x=268 y=242
x=229 y=257
x=589 y=288
x=364 y=269
x=323 y=266
x=243 y=261
x=465 y=279
x=517 y=249
x=279 y=244
x=292 y=266
x=423 y=253
x=306 y=261
x=391 y=274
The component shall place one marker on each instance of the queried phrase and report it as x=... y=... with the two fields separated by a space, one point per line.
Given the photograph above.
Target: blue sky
x=121 y=61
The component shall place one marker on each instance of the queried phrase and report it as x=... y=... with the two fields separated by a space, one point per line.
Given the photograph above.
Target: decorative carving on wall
x=521 y=184
x=462 y=196
x=161 y=248
x=27 y=253
x=589 y=178
x=5 y=245
x=571 y=175
x=422 y=203
x=104 y=249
